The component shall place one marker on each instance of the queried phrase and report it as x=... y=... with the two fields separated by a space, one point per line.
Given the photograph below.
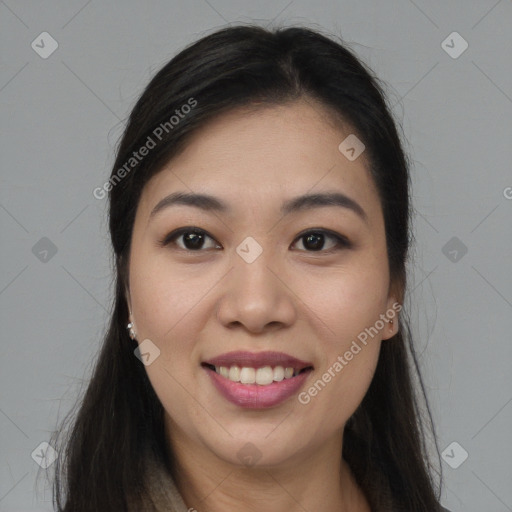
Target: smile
x=257 y=380
x=260 y=376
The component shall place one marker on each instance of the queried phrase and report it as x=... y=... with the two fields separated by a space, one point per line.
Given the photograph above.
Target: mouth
x=261 y=368
x=257 y=380
x=260 y=376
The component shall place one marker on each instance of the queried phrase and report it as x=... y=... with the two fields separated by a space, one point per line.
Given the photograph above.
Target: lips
x=257 y=380
x=258 y=360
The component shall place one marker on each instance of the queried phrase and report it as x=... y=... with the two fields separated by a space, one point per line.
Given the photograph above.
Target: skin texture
x=194 y=305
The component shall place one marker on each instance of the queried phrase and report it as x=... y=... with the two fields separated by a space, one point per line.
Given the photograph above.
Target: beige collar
x=164 y=492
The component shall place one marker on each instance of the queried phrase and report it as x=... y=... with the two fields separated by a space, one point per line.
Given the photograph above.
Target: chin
x=260 y=448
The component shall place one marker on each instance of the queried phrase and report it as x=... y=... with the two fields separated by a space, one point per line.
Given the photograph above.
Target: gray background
x=61 y=118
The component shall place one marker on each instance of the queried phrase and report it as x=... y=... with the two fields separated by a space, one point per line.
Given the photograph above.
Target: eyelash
x=341 y=241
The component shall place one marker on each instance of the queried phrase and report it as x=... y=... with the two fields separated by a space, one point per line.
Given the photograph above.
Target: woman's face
x=261 y=279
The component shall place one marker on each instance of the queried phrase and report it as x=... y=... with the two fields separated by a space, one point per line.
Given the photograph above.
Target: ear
x=128 y=300
x=131 y=320
x=393 y=308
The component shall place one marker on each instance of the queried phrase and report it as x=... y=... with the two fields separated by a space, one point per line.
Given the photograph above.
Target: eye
x=314 y=240
x=192 y=238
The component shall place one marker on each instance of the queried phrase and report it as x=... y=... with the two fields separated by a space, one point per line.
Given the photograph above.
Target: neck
x=315 y=480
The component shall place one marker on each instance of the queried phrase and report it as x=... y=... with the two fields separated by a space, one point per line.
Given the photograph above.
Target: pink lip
x=258 y=360
x=254 y=396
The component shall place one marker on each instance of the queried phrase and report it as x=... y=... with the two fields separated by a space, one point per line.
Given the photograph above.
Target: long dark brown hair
x=119 y=417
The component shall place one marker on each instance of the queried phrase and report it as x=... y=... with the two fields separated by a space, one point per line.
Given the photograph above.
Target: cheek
x=161 y=296
x=160 y=302
x=345 y=374
x=347 y=305
x=346 y=300
x=163 y=301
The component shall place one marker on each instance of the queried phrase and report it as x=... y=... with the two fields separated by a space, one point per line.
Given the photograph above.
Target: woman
x=257 y=354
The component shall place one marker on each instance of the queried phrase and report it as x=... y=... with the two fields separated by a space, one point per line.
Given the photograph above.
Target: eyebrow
x=207 y=203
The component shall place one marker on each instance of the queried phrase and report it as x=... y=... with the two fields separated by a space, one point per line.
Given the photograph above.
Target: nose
x=257 y=296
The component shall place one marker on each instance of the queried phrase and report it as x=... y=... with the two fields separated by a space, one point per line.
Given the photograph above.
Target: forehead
x=253 y=159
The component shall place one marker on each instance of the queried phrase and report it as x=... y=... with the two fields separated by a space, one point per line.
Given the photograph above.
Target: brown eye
x=315 y=241
x=192 y=239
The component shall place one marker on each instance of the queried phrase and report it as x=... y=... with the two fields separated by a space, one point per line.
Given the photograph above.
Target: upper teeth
x=262 y=376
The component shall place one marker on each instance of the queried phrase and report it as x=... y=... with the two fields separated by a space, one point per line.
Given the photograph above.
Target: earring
x=131 y=332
